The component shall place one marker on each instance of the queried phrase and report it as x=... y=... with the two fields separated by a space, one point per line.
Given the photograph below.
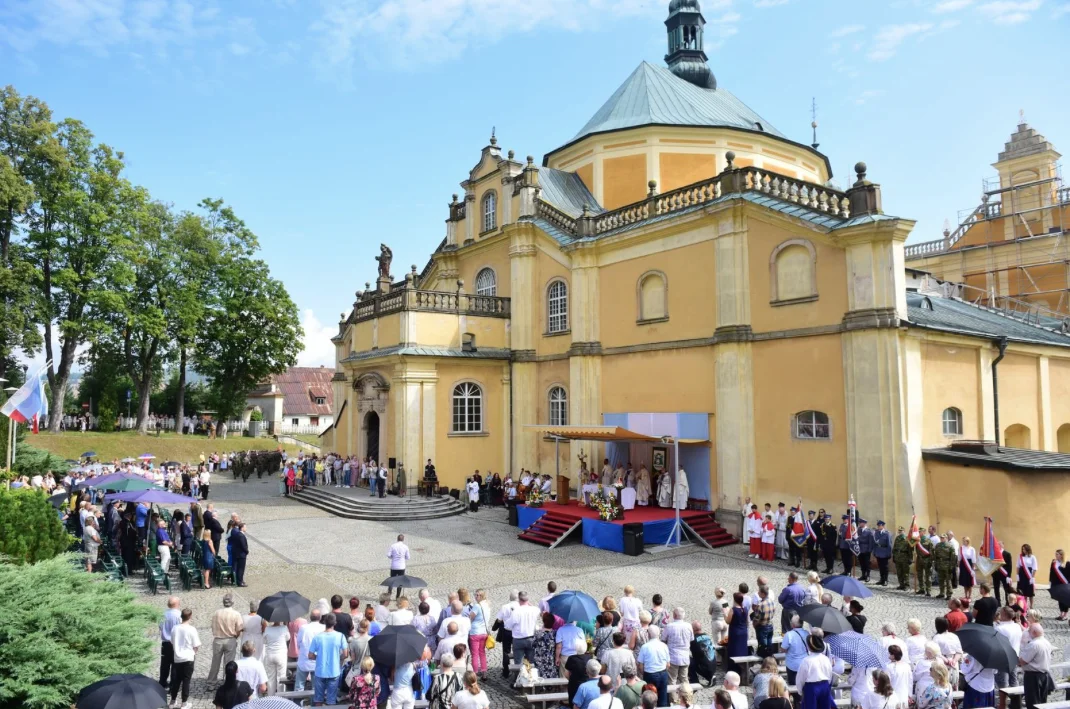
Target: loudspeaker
x=392 y=463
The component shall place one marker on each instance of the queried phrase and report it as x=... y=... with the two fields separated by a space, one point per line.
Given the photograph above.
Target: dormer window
x=320 y=401
x=490 y=211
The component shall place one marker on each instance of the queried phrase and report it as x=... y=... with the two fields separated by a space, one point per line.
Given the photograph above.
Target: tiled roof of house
x=300 y=387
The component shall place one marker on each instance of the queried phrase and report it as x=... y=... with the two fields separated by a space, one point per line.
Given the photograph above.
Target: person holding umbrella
x=980 y=684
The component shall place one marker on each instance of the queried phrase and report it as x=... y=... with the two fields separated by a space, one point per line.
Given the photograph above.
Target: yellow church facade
x=680 y=260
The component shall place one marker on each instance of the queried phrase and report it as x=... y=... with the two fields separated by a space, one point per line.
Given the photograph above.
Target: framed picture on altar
x=660 y=459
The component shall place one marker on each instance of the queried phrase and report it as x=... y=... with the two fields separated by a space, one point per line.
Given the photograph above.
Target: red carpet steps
x=708 y=531
x=550 y=529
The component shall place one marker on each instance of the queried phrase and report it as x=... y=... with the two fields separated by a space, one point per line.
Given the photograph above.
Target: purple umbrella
x=104 y=479
x=160 y=497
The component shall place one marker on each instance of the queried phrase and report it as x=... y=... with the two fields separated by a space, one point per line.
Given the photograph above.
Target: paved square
x=295 y=547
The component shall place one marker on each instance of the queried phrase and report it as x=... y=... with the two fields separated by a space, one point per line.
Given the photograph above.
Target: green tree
x=251 y=331
x=79 y=235
x=30 y=531
x=165 y=400
x=64 y=629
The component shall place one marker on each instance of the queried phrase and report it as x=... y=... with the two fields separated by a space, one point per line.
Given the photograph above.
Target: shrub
x=30 y=529
x=33 y=461
x=64 y=629
x=106 y=416
x=256 y=415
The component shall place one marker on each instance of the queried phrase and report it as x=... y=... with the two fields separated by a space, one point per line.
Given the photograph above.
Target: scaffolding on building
x=1026 y=252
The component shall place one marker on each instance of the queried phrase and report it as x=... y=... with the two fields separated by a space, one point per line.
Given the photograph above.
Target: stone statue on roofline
x=384 y=258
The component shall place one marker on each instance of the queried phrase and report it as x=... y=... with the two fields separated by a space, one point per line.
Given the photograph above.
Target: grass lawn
x=128 y=444
x=311 y=438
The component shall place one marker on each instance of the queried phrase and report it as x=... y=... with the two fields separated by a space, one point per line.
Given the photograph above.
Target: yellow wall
x=831 y=304
x=458 y=456
x=494 y=253
x=549 y=374
x=389 y=330
x=1026 y=507
x=949 y=378
x=546 y=269
x=679 y=169
x=586 y=173
x=1018 y=402
x=689 y=273
x=443 y=330
x=1059 y=378
x=685 y=381
x=790 y=376
x=624 y=180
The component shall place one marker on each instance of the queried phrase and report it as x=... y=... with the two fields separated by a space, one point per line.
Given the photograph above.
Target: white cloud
x=846 y=30
x=1010 y=12
x=865 y=96
x=951 y=6
x=414 y=33
x=890 y=37
x=318 y=348
x=99 y=26
x=770 y=3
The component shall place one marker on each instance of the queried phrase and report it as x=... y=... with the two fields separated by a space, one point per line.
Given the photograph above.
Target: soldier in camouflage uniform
x=946 y=563
x=902 y=556
x=923 y=564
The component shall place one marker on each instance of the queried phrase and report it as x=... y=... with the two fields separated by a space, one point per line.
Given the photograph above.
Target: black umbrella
x=123 y=692
x=1061 y=593
x=172 y=464
x=825 y=617
x=397 y=645
x=988 y=646
x=58 y=498
x=282 y=607
x=404 y=581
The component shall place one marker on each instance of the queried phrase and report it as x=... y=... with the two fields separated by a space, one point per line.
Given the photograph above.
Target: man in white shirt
x=455 y=615
x=252 y=670
x=403 y=615
x=605 y=698
x=453 y=637
x=1035 y=660
x=186 y=641
x=1008 y=628
x=678 y=636
x=506 y=637
x=731 y=685
x=398 y=553
x=522 y=623
x=434 y=607
x=305 y=666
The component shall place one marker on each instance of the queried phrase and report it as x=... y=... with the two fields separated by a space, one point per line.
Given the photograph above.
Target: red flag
x=990 y=546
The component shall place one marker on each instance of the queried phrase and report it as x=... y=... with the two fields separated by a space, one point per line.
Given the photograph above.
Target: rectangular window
x=295 y=421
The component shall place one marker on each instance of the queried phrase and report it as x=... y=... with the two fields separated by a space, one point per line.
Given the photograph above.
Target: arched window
x=653 y=296
x=486 y=282
x=1018 y=436
x=811 y=425
x=490 y=211
x=558 y=407
x=557 y=307
x=467 y=408
x=1062 y=437
x=952 y=421
x=793 y=272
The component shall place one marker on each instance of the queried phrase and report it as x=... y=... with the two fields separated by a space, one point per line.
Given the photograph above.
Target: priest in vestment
x=642 y=487
x=665 y=490
x=682 y=490
x=607 y=473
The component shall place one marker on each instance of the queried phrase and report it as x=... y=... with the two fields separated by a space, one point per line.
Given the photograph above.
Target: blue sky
x=334 y=125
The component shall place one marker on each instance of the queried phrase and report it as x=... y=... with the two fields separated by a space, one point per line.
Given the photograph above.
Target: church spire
x=686 y=59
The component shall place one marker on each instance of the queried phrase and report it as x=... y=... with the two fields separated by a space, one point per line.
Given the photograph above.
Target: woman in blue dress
x=737 y=631
x=207 y=556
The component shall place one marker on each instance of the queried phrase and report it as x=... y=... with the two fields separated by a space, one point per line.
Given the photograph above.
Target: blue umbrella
x=160 y=497
x=862 y=651
x=846 y=586
x=574 y=606
x=89 y=454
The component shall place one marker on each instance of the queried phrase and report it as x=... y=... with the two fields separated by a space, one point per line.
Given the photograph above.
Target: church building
x=682 y=269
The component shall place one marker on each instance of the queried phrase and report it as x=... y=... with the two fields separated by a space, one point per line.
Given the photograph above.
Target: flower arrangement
x=535 y=497
x=603 y=506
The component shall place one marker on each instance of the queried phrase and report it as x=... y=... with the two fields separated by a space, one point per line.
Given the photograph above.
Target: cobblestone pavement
x=297 y=547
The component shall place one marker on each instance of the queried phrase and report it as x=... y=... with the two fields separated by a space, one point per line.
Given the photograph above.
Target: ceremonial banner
x=991 y=556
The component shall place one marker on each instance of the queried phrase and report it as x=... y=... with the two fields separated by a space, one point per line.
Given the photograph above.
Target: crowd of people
x=631 y=652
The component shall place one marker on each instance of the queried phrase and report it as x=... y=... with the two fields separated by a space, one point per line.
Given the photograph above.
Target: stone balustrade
x=410 y=299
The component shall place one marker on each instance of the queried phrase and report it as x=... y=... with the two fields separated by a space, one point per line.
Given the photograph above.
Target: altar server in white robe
x=682 y=490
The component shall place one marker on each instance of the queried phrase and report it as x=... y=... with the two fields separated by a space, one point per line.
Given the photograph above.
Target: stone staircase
x=356 y=503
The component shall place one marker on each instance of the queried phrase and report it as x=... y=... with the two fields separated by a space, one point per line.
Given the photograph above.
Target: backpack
x=443 y=688
x=417 y=682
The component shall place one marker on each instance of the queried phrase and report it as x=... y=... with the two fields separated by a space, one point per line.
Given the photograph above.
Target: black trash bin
x=514 y=516
x=633 y=539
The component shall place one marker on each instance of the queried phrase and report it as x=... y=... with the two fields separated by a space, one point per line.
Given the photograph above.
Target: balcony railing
x=456 y=303
x=814 y=197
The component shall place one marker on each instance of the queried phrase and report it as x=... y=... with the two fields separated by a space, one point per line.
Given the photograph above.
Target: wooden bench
x=1014 y=694
x=547 y=698
x=1054 y=705
x=747 y=662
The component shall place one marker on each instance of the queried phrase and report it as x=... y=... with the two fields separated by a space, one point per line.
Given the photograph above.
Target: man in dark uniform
x=865 y=548
x=846 y=553
x=812 y=543
x=828 y=543
x=1001 y=576
x=882 y=549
